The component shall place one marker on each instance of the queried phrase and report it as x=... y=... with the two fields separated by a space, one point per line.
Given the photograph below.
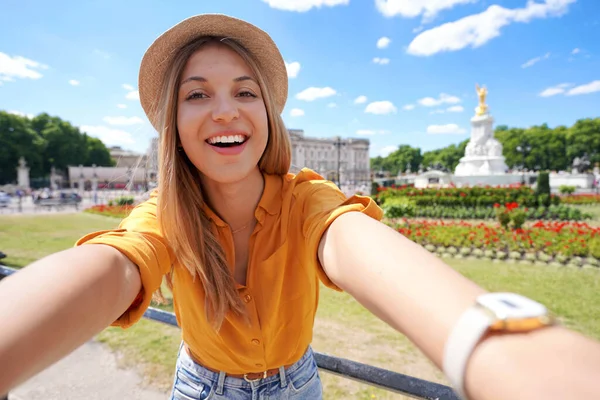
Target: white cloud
x=303 y=5
x=109 y=136
x=414 y=8
x=409 y=107
x=360 y=99
x=442 y=99
x=554 y=90
x=477 y=29
x=292 y=69
x=122 y=105
x=387 y=150
x=381 y=61
x=73 y=82
x=383 y=42
x=19 y=67
x=535 y=60
x=380 y=107
x=443 y=129
x=587 y=88
x=133 y=95
x=576 y=50
x=370 y=132
x=123 y=120
x=331 y=105
x=438 y=111
x=313 y=93
x=455 y=109
x=296 y=112
x=20 y=114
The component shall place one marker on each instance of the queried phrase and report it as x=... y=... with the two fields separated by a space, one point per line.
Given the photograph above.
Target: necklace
x=242 y=228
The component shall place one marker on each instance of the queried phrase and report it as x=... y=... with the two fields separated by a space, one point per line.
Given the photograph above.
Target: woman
x=243 y=246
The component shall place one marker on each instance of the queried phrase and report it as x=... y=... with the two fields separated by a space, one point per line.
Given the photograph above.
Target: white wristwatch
x=496 y=312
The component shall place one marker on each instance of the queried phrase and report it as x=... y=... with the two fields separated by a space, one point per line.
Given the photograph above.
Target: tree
x=45 y=141
x=98 y=153
x=538 y=147
x=398 y=160
x=17 y=140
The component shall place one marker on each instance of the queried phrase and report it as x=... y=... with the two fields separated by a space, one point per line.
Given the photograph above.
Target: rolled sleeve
x=323 y=202
x=138 y=237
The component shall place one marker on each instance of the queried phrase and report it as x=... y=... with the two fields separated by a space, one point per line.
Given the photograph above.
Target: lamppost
x=338 y=144
x=524 y=149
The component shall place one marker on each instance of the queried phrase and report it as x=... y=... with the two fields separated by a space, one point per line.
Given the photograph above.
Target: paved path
x=89 y=373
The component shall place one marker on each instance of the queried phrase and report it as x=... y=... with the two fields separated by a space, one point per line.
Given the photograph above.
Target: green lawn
x=26 y=238
x=343 y=327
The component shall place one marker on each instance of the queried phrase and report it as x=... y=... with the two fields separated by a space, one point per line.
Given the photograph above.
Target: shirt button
x=247 y=298
x=255 y=341
x=259 y=365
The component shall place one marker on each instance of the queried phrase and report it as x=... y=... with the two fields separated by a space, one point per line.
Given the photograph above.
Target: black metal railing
x=363 y=373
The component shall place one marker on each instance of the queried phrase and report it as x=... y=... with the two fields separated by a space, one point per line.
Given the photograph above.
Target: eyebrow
x=204 y=80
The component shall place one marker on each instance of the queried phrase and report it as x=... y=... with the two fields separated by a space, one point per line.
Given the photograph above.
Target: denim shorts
x=298 y=382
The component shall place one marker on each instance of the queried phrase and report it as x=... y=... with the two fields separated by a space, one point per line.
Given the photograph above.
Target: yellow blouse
x=282 y=287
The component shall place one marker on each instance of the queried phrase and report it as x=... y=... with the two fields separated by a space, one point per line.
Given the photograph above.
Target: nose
x=225 y=110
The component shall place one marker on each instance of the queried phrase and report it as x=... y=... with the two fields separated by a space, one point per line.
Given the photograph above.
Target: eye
x=196 y=95
x=247 y=93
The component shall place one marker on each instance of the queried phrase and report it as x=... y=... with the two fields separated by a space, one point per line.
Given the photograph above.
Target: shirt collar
x=269 y=203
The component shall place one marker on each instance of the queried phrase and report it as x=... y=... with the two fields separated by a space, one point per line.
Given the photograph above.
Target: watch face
x=511 y=306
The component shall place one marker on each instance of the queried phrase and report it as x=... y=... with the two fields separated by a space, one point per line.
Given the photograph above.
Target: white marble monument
x=483 y=154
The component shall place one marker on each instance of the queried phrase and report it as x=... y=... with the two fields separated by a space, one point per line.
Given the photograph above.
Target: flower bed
x=395 y=209
x=585 y=199
x=559 y=242
x=110 y=211
x=469 y=197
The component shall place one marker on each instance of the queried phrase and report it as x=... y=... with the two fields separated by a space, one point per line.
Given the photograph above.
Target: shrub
x=543 y=188
x=374 y=188
x=399 y=208
x=124 y=201
x=566 y=189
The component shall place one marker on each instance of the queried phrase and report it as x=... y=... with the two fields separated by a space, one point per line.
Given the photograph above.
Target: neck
x=235 y=202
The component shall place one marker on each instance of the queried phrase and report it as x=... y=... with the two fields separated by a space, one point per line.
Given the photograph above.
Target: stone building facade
x=318 y=154
x=322 y=155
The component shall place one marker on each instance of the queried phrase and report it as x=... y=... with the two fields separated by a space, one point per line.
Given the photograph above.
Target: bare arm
x=419 y=295
x=56 y=304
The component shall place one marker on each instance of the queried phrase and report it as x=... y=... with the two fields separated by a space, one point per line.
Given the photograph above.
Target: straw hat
x=159 y=55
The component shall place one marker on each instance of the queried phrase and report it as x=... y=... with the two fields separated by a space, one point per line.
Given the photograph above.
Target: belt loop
x=282 y=376
x=220 y=383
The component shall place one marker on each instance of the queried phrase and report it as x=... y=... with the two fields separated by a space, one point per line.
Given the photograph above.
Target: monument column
x=95 y=184
x=23 y=174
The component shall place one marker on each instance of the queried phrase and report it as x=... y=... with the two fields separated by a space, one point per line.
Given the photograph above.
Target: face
x=221 y=115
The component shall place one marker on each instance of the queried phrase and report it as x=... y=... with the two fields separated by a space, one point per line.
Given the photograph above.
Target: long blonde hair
x=180 y=214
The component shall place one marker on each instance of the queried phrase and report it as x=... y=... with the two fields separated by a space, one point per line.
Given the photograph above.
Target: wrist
x=549 y=363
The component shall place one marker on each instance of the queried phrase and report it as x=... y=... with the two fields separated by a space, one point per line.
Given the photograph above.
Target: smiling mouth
x=227 y=141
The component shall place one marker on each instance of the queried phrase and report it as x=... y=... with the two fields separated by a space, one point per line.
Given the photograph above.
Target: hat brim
x=159 y=56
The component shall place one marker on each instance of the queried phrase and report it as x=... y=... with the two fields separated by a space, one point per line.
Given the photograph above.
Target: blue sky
x=414 y=62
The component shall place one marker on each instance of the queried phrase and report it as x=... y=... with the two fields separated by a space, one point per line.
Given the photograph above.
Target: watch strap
x=467 y=332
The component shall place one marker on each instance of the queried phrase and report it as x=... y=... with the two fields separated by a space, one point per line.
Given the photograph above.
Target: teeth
x=227 y=139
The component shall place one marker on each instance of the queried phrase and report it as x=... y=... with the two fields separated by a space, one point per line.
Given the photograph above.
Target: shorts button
x=255 y=341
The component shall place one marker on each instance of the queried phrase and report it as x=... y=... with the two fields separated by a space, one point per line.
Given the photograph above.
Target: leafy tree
x=17 y=140
x=538 y=147
x=45 y=141
x=398 y=160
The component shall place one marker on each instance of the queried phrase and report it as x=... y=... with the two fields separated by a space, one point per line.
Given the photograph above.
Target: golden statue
x=482 y=93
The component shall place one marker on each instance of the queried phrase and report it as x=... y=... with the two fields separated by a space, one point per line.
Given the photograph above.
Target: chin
x=228 y=174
